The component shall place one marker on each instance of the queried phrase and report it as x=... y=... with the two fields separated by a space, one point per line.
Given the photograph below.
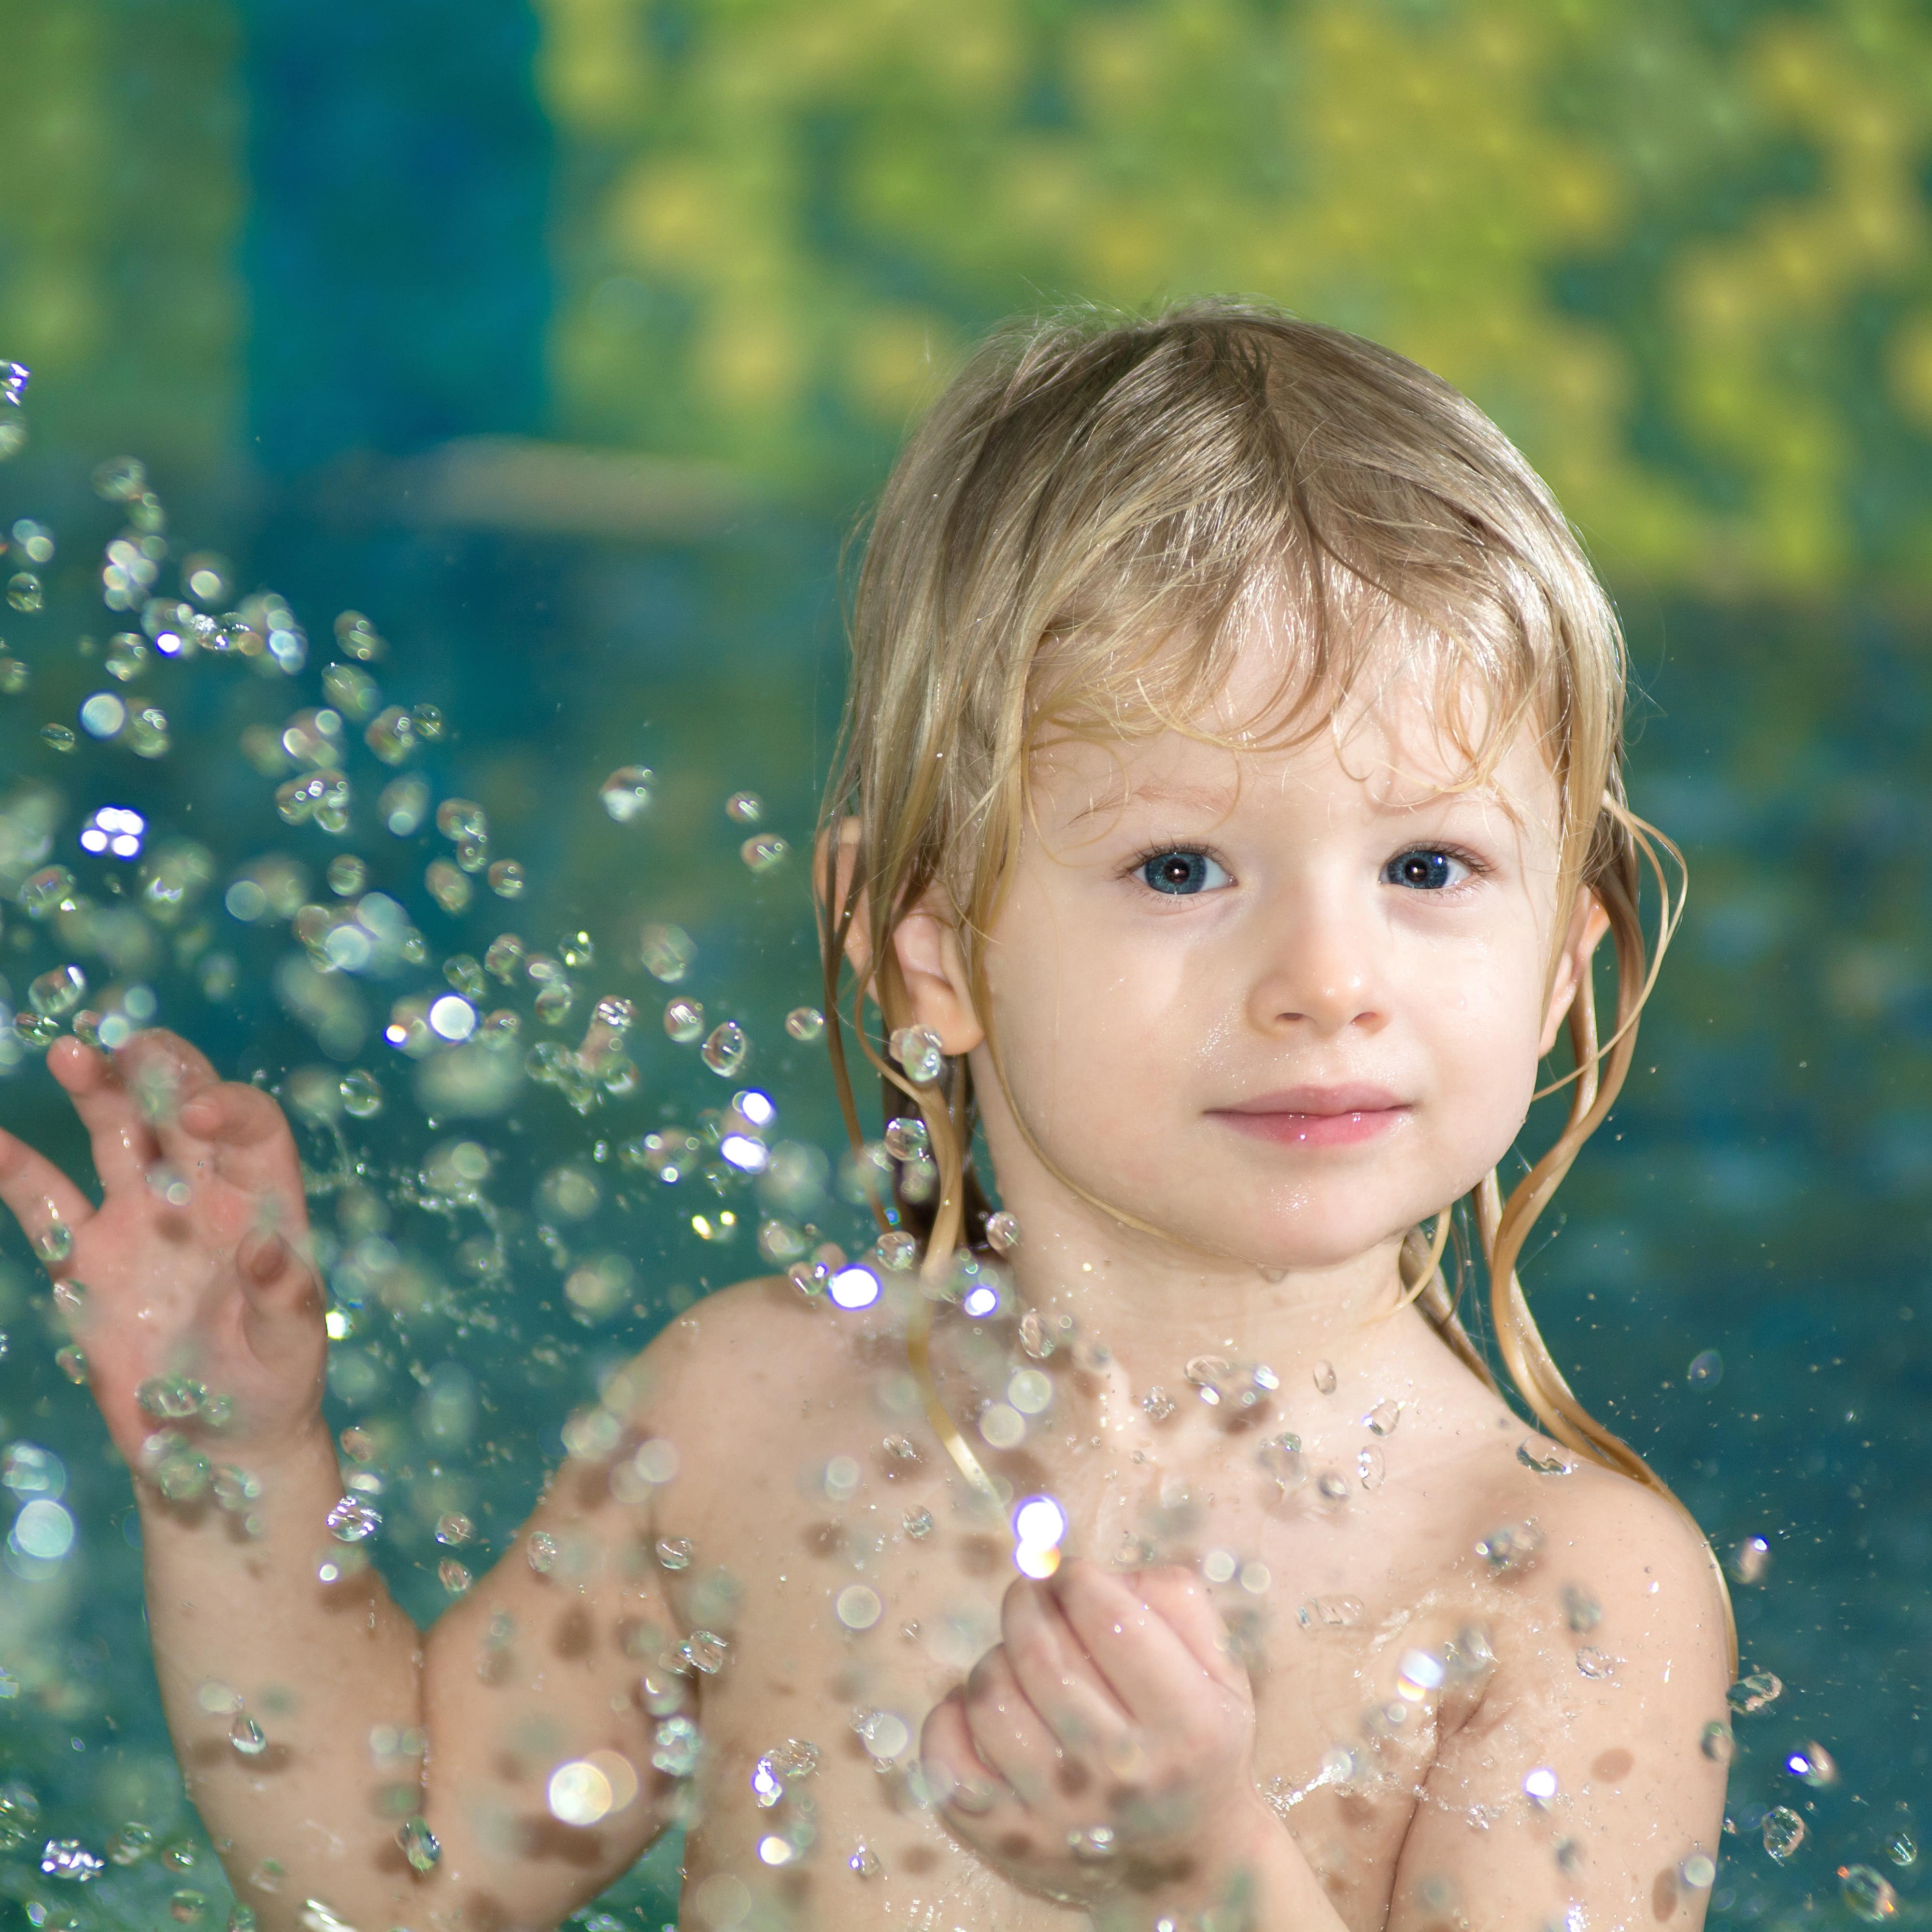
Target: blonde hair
x=1073 y=540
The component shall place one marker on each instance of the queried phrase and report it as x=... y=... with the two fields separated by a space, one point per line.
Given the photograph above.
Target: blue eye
x=1425 y=871
x=1181 y=873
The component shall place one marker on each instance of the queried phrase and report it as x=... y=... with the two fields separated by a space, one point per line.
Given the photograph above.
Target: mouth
x=1343 y=1116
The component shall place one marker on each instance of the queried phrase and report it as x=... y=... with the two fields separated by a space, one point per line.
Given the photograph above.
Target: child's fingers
x=280 y=1297
x=1141 y=1658
x=952 y=1766
x=1182 y=1599
x=1007 y=1732
x=162 y=1073
x=123 y=1146
x=38 y=1193
x=241 y=1132
x=1059 y=1680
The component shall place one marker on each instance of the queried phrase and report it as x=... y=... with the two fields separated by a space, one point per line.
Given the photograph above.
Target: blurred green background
x=567 y=340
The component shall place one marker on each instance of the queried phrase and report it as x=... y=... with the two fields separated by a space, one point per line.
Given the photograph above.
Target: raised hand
x=191 y=1266
x=1102 y=1750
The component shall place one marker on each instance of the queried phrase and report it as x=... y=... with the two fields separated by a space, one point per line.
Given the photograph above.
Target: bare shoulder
x=743 y=1378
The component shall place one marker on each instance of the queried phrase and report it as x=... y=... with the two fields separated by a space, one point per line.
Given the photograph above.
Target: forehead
x=1400 y=740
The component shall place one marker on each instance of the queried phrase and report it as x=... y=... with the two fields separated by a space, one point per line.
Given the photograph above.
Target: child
x=1231 y=806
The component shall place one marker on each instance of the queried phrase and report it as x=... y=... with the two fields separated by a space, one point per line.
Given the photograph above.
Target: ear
x=1588 y=922
x=931 y=960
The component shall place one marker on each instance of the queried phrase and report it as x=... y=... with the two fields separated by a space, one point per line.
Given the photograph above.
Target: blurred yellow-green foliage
x=1679 y=250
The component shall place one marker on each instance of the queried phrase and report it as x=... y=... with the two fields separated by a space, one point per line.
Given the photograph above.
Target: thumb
x=281 y=1299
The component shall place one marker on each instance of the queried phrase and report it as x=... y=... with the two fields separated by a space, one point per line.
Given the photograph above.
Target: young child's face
x=1278 y=1003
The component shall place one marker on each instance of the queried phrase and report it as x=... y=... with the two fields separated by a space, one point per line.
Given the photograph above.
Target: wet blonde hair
x=1074 y=542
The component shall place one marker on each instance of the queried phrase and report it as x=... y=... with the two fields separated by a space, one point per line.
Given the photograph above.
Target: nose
x=1321 y=964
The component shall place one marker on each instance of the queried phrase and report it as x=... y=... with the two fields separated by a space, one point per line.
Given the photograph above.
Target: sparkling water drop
x=1546 y=1458
x=626 y=792
x=171 y=1398
x=805 y=1023
x=917 y=1524
x=245 y=1735
x=858 y=1606
x=1382 y=1420
x=58 y=737
x=127 y=656
x=1902 y=1849
x=14 y=676
x=1869 y=1896
x=361 y=1094
x=1370 y=1467
x=1784 y=1832
x=54 y=1243
x=347 y=874
x=677 y=1747
x=49 y=891
x=667 y=953
x=541 y=1553
x=1593 y=1663
x=764 y=852
x=1706 y=1371
x=353 y=1520
x=1715 y=1741
x=673 y=1553
x=507 y=879
x=744 y=807
x=918 y=1052
x=418 y=1844
x=1325 y=1378
x=684 y=1021
x=1755 y=1693
x=726 y=1048
x=56 y=994
x=1812 y=1764
x=359 y=637
x=454 y=1576
x=24 y=592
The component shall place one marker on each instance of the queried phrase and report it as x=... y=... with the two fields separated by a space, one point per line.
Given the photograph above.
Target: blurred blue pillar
x=396 y=250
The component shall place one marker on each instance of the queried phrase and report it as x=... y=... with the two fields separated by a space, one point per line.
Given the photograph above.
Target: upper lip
x=1351 y=1097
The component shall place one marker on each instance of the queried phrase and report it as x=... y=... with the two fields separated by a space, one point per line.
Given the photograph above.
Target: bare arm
x=1589 y=1783
x=323 y=1739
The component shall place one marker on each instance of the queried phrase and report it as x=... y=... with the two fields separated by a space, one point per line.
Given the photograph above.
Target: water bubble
x=677 y=1746
x=103 y=714
x=353 y=1520
x=667 y=953
x=765 y=852
x=361 y=1094
x=1003 y=1425
x=1546 y=1458
x=674 y=1552
x=14 y=676
x=245 y=1735
x=1325 y=1378
x=1706 y=1371
x=1814 y=1765
x=454 y=1576
x=54 y=995
x=47 y=892
x=404 y=803
x=1370 y=1467
x=171 y=1398
x=1593 y=1663
x=127 y=656
x=131 y=1842
x=1755 y=1692
x=1902 y=1849
x=359 y=637
x=541 y=1553
x=1698 y=1872
x=1717 y=1743
x=1868 y=1896
x=858 y=1607
x=917 y=1524
x=918 y=1050
x=418 y=1844
x=448 y=885
x=805 y=1023
x=69 y=1858
x=1749 y=1560
x=864 y=1861
x=24 y=592
x=507 y=879
x=626 y=792
x=347 y=874
x=705 y=1651
x=1030 y=1391
x=207 y=578
x=726 y=1048
x=744 y=807
x=1003 y=1232
x=146 y=734
x=120 y=479
x=905 y=1139
x=1784 y=1832
x=58 y=737
x=1382 y=1419
x=1511 y=1547
x=54 y=1243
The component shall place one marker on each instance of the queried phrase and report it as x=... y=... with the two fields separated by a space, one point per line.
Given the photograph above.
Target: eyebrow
x=1218 y=799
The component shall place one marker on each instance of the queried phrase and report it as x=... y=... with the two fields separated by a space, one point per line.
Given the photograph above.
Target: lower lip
x=1315 y=1129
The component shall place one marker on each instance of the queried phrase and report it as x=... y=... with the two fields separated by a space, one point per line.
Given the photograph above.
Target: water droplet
x=361 y=1094
x=24 y=592
x=55 y=1242
x=127 y=656
x=171 y=1398
x=14 y=676
x=626 y=792
x=1903 y=1848
x=1749 y=1560
x=359 y=637
x=207 y=578
x=918 y=1050
x=1784 y=1832
x=677 y=1747
x=674 y=1552
x=1511 y=1547
x=245 y=1735
x=103 y=714
x=507 y=879
x=449 y=885
x=1325 y=1378
x=805 y=1023
x=1814 y=1765
x=1716 y=1742
x=541 y=1553
x=667 y=953
x=864 y=1861
x=858 y=1607
x=418 y=1844
x=918 y=1523
x=1593 y=1663
x=764 y=852
x=1755 y=1692
x=726 y=1048
x=1869 y=1896
x=1698 y=1872
x=167 y=1182
x=352 y=1520
x=58 y=737
x=1333 y=1484
x=454 y=1576
x=56 y=994
x=1382 y=1420
x=1371 y=1467
x=1003 y=1232
x=1706 y=1371
x=744 y=807
x=1546 y=1458
x=50 y=890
